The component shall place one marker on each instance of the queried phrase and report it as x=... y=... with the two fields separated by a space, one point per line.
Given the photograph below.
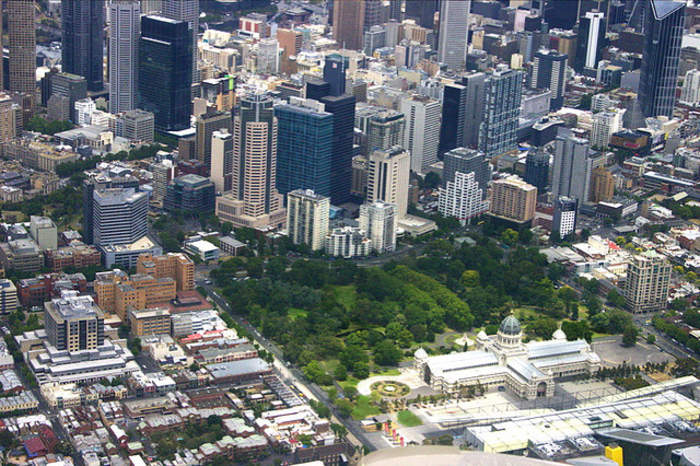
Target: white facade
x=462 y=198
x=308 y=215
x=222 y=160
x=648 y=281
x=124 y=32
x=348 y=242
x=454 y=29
x=421 y=135
x=567 y=223
x=388 y=177
x=605 y=124
x=596 y=22
x=379 y=220
x=690 y=93
x=84 y=109
x=268 y=57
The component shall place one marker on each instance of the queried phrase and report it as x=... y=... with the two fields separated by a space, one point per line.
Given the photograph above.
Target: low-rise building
x=78 y=255
x=238 y=371
x=149 y=321
x=9 y=301
x=205 y=250
x=22 y=255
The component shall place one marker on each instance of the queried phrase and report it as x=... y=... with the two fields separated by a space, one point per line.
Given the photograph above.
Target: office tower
x=373 y=39
x=163 y=173
x=44 y=232
x=690 y=93
x=466 y=160
x=462 y=198
x=549 y=72
x=343 y=110
x=89 y=188
x=165 y=71
x=663 y=23
x=82 y=41
x=502 y=98
x=222 y=160
x=395 y=10
x=513 y=199
x=574 y=163
x=136 y=125
x=70 y=86
x=605 y=124
x=307 y=218
x=602 y=185
x=191 y=194
x=422 y=132
x=205 y=126
x=8 y=297
x=254 y=200
x=591 y=39
x=423 y=12
x=454 y=104
x=188 y=11
x=388 y=173
x=348 y=23
x=374 y=14
x=119 y=216
x=647 y=284
x=537 y=169
x=565 y=215
x=379 y=220
x=385 y=130
x=22 y=45
x=124 y=33
x=334 y=73
x=150 y=7
x=304 y=146
x=454 y=28
x=267 y=56
x=290 y=42
x=74 y=323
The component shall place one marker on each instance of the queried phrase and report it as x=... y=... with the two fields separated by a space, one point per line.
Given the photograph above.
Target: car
x=207 y=282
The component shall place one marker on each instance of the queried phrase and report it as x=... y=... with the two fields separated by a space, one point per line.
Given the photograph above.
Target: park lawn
x=346 y=294
x=364 y=408
x=407 y=419
x=296 y=313
x=349 y=382
x=386 y=372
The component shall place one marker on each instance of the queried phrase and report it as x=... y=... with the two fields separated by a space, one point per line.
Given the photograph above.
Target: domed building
x=504 y=362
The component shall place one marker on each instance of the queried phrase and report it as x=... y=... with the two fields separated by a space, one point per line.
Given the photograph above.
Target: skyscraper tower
x=422 y=11
x=591 y=38
x=549 y=72
x=22 y=45
x=503 y=95
x=124 y=32
x=537 y=169
x=185 y=10
x=165 y=71
x=348 y=23
x=334 y=73
x=82 y=44
x=421 y=135
x=662 y=24
x=454 y=28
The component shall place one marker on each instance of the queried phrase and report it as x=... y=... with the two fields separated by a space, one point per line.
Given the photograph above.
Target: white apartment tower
x=648 y=279
x=124 y=32
x=454 y=28
x=308 y=215
x=388 y=177
x=462 y=198
x=421 y=136
x=690 y=93
x=378 y=220
x=605 y=124
x=222 y=160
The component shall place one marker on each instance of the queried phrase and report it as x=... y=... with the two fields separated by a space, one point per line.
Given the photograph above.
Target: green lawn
x=386 y=372
x=350 y=382
x=346 y=295
x=364 y=408
x=295 y=313
x=407 y=419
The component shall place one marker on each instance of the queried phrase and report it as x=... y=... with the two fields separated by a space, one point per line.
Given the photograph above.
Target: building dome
x=510 y=326
x=559 y=335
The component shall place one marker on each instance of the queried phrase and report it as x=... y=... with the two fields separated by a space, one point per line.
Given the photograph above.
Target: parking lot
x=613 y=353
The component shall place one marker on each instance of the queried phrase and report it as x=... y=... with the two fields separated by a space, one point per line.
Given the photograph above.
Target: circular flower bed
x=391 y=389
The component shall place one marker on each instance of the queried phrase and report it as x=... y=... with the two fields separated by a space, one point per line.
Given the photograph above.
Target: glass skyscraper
x=82 y=27
x=165 y=71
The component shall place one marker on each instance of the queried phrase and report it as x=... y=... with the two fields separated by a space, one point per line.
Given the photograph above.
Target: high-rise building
x=267 y=56
x=119 y=216
x=454 y=105
x=205 y=126
x=188 y=11
x=151 y=7
x=190 y=193
x=124 y=33
x=565 y=215
x=513 y=199
x=549 y=72
x=395 y=10
x=462 y=198
x=422 y=131
x=662 y=23
x=573 y=166
x=9 y=301
x=454 y=28
x=648 y=281
x=22 y=45
x=304 y=146
x=602 y=185
x=605 y=124
x=343 y=110
x=466 y=160
x=388 y=174
x=165 y=71
x=74 y=323
x=373 y=39
x=348 y=23
x=423 y=12
x=502 y=98
x=163 y=174
x=44 y=232
x=254 y=200
x=308 y=215
x=385 y=130
x=70 y=86
x=10 y=114
x=290 y=42
x=537 y=169
x=89 y=188
x=591 y=39
x=374 y=14
x=334 y=73
x=222 y=160
x=379 y=220
x=690 y=93
x=136 y=125
x=82 y=41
